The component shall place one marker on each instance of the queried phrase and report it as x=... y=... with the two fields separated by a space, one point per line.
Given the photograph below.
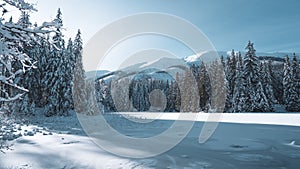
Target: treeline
x=255 y=86
x=235 y=84
x=37 y=67
x=291 y=84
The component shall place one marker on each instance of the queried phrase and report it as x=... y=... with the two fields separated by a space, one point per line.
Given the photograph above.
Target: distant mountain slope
x=169 y=65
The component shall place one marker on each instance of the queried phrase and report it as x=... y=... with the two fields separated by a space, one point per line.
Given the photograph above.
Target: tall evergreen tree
x=291 y=85
x=204 y=86
x=16 y=40
x=267 y=86
x=68 y=73
x=295 y=67
x=218 y=87
x=239 y=93
x=79 y=88
x=287 y=80
x=255 y=95
x=55 y=77
x=230 y=72
x=24 y=20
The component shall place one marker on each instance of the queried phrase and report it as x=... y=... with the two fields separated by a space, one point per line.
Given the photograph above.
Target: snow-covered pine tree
x=79 y=88
x=292 y=86
x=204 y=86
x=239 y=93
x=58 y=20
x=91 y=108
x=251 y=74
x=55 y=77
x=190 y=99
x=134 y=97
x=287 y=80
x=229 y=98
x=293 y=102
x=25 y=106
x=31 y=79
x=256 y=96
x=66 y=82
x=295 y=67
x=24 y=19
x=178 y=92
x=182 y=79
x=267 y=86
x=102 y=94
x=218 y=87
x=120 y=94
x=52 y=84
x=231 y=69
x=66 y=77
x=230 y=72
x=261 y=101
x=68 y=71
x=45 y=73
x=14 y=60
x=172 y=93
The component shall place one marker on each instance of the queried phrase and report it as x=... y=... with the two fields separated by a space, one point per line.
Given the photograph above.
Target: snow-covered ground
x=240 y=141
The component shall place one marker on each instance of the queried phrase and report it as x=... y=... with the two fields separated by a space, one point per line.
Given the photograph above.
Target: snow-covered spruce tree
x=230 y=72
x=57 y=69
x=232 y=68
x=26 y=108
x=15 y=60
x=56 y=78
x=41 y=72
x=239 y=92
x=134 y=87
x=261 y=101
x=295 y=67
x=204 y=86
x=218 y=87
x=287 y=80
x=292 y=98
x=190 y=99
x=296 y=79
x=291 y=85
x=120 y=93
x=31 y=79
x=172 y=93
x=24 y=19
x=92 y=107
x=66 y=78
x=140 y=94
x=267 y=86
x=229 y=98
x=68 y=71
x=256 y=97
x=79 y=88
x=53 y=85
x=178 y=100
x=102 y=93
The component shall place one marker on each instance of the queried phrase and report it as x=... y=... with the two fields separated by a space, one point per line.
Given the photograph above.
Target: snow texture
x=59 y=142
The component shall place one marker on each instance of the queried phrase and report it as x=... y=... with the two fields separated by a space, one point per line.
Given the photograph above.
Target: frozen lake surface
x=239 y=141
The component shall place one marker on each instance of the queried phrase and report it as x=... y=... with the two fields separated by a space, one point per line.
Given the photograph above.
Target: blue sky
x=273 y=25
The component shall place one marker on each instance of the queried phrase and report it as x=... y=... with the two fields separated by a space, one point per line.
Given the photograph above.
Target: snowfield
x=250 y=141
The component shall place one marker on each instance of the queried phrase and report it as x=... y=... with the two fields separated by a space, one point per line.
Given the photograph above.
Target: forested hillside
x=37 y=66
x=252 y=84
